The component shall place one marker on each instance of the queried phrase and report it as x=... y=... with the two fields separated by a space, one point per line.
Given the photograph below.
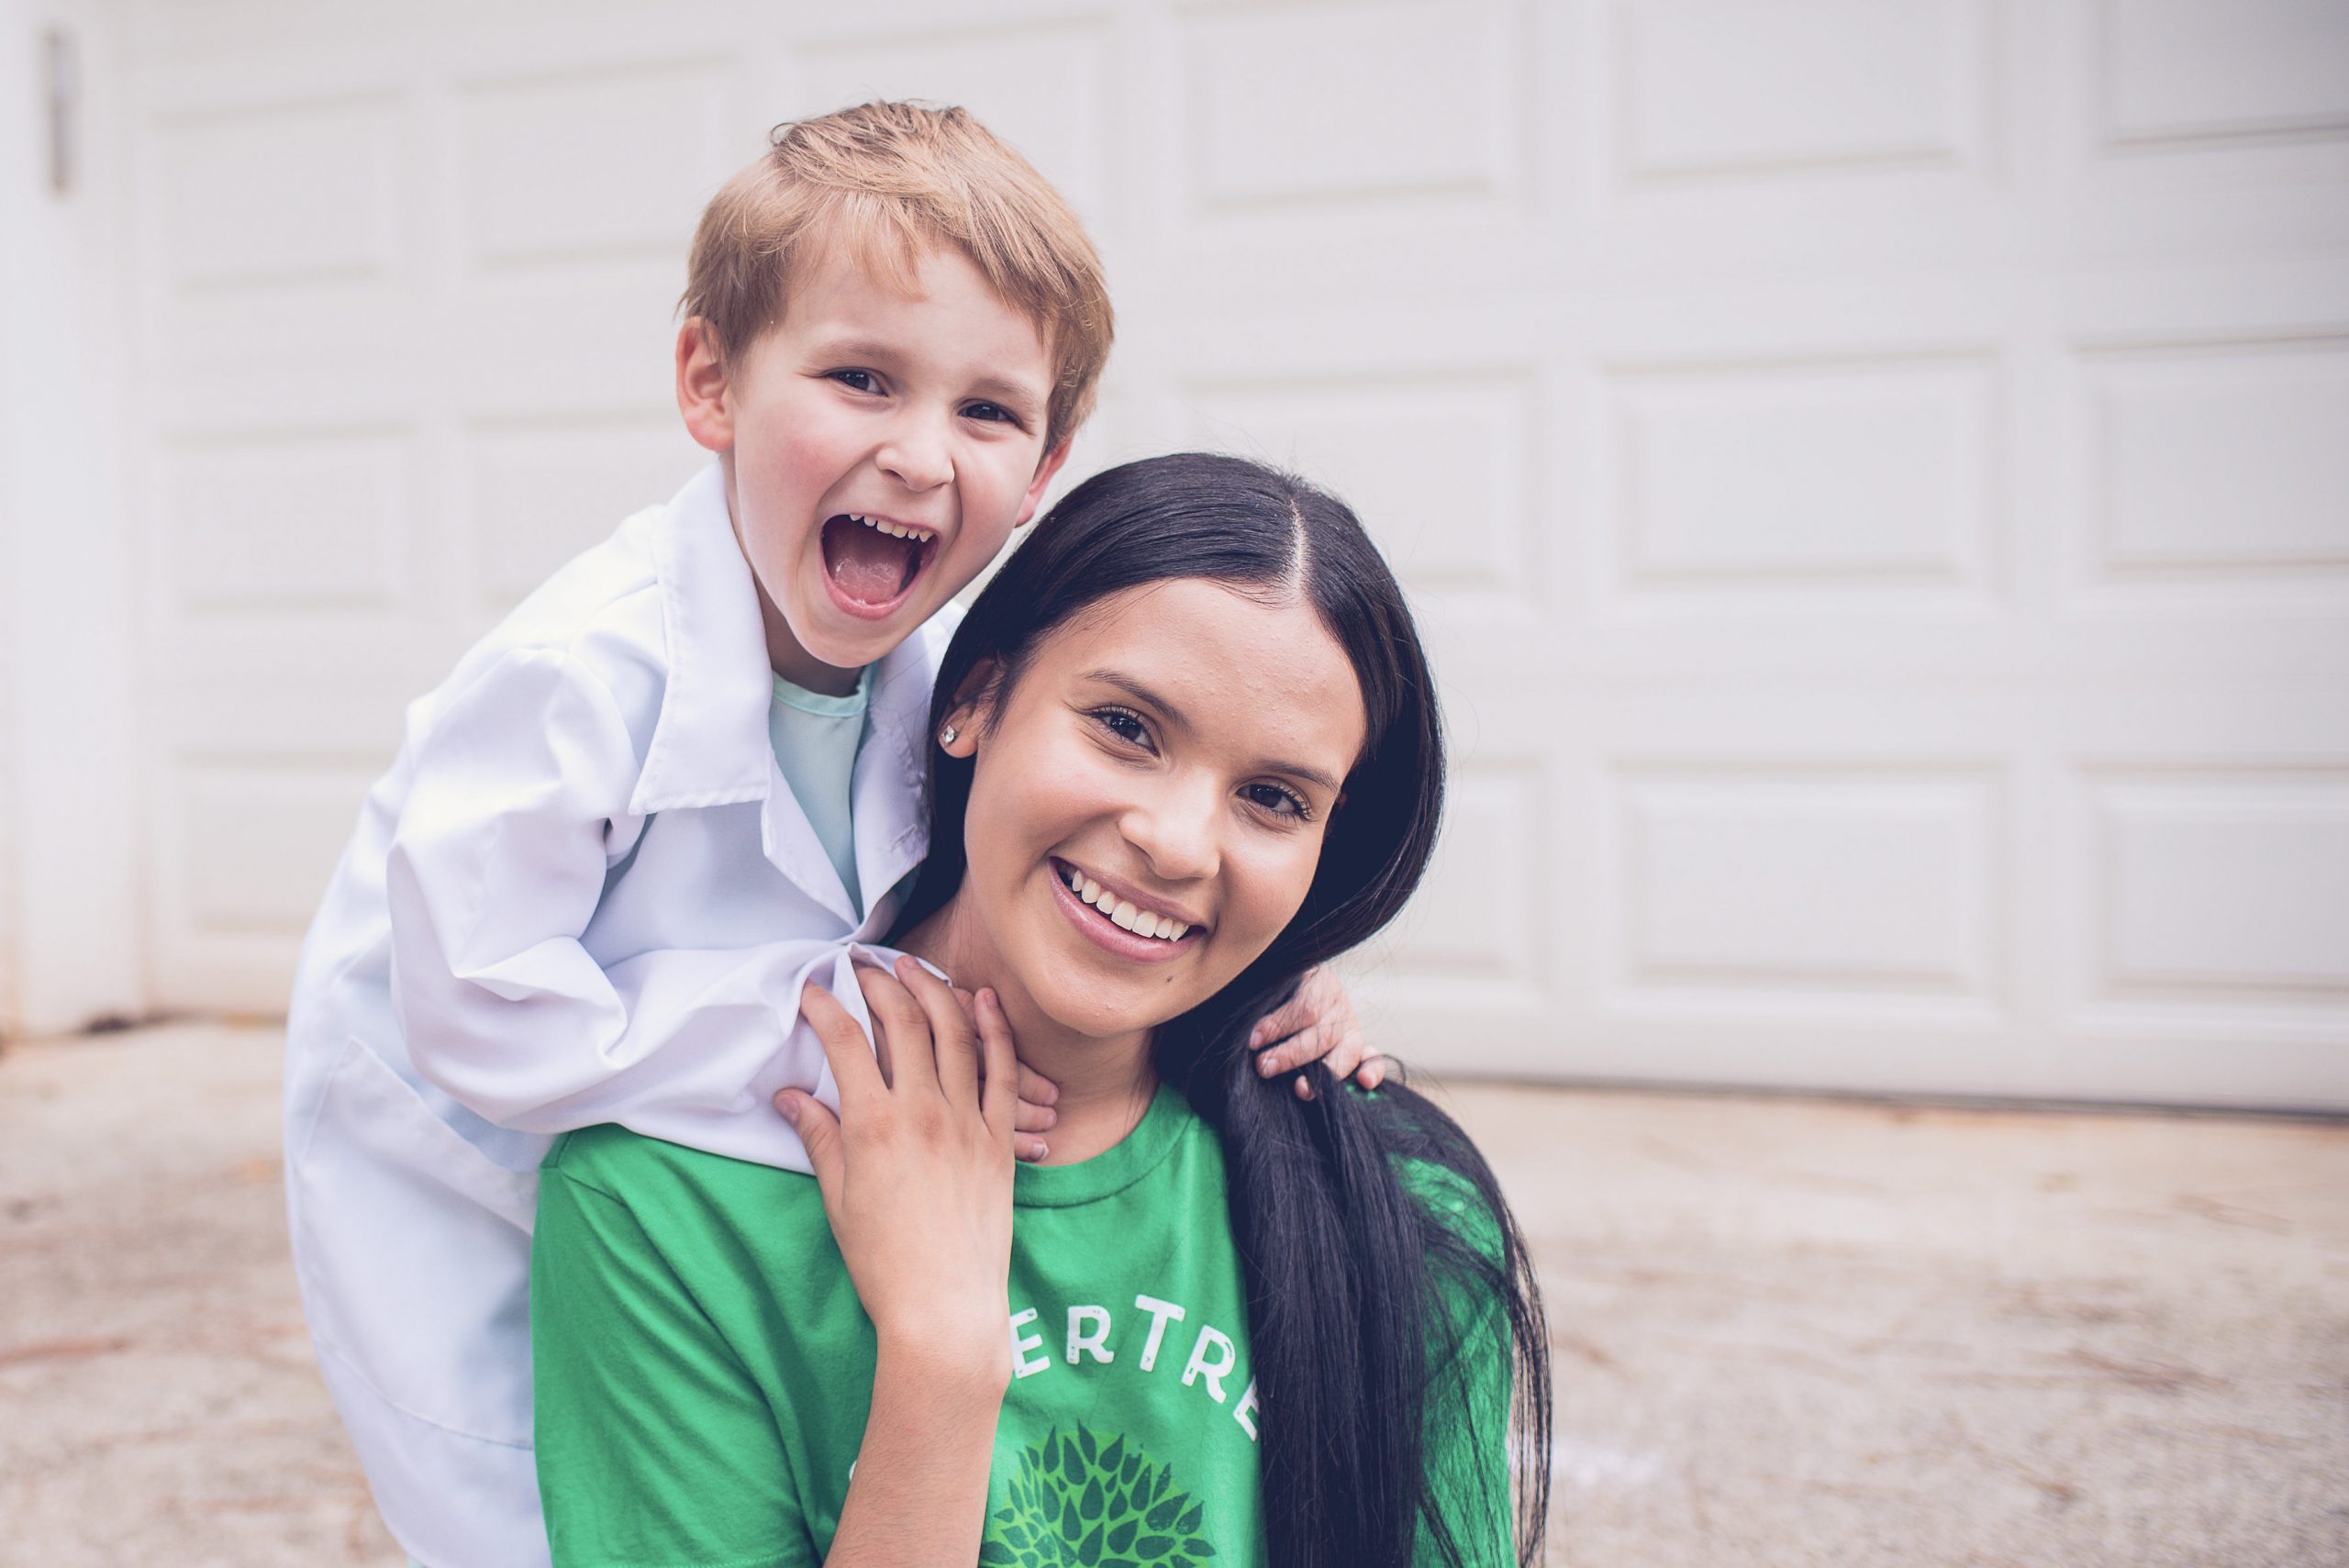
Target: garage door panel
x=577 y=167
x=1846 y=882
x=1045 y=85
x=1265 y=132
x=2182 y=72
x=2216 y=885
x=1822 y=475
x=1849 y=84
x=537 y=491
x=2218 y=460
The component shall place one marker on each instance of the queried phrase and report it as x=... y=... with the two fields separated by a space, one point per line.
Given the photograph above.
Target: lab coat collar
x=710 y=745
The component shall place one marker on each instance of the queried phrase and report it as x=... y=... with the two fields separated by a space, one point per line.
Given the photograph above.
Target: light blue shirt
x=815 y=739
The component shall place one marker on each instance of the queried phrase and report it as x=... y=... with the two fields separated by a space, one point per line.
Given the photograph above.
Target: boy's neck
x=1105 y=1084
x=795 y=663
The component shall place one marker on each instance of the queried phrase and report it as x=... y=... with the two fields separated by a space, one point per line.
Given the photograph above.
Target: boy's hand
x=1317 y=1025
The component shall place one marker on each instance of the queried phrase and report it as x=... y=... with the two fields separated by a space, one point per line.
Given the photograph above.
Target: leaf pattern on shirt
x=1079 y=1502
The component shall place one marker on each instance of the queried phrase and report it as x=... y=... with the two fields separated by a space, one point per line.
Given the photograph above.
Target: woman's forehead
x=1234 y=659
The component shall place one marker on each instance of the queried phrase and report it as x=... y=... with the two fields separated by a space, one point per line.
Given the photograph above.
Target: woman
x=1187 y=749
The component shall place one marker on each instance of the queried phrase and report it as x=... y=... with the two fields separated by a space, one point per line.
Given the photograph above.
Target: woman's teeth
x=1141 y=922
x=895 y=531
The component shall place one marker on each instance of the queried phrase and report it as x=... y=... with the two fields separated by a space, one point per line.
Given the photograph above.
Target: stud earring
x=946 y=736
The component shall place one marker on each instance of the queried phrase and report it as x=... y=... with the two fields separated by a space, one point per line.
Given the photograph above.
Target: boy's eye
x=858 y=381
x=993 y=413
x=1278 y=799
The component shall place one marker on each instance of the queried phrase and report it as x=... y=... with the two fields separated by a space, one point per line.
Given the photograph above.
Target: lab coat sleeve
x=494 y=871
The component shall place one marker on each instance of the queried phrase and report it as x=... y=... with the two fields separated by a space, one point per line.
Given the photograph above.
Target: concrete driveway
x=1787 y=1331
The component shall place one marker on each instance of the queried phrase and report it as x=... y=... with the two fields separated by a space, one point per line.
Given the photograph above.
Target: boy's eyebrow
x=1143 y=694
x=1017 y=394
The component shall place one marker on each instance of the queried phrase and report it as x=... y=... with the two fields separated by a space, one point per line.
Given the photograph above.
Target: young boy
x=678 y=783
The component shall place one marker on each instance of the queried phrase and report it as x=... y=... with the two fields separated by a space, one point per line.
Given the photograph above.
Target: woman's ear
x=974 y=707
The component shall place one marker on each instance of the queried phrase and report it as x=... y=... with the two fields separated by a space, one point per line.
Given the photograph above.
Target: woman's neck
x=1105 y=1084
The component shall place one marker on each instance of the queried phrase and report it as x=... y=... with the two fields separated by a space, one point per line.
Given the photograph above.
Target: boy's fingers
x=1372 y=1071
x=820 y=1134
x=845 y=1046
x=1295 y=1053
x=1029 y=1117
x=955 y=1038
x=1283 y=1020
x=1029 y=1148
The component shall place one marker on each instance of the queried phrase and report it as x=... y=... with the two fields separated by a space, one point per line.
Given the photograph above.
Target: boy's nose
x=916 y=456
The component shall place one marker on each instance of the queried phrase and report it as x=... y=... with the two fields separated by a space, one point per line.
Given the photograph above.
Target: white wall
x=70 y=654
x=1869 y=469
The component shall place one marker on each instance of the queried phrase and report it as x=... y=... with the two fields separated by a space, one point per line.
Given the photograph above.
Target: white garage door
x=1875 y=472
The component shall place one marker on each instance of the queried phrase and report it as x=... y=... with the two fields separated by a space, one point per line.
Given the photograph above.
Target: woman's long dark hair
x=1359 y=1295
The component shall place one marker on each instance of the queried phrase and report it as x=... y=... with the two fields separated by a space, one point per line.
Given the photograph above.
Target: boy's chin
x=849 y=636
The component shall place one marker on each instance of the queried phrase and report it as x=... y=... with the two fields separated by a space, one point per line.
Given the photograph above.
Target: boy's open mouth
x=872 y=562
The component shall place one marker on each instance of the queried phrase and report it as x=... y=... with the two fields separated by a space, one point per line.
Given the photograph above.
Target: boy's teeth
x=883 y=525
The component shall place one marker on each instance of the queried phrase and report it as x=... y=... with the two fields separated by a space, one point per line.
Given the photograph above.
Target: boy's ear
x=1045 y=469
x=702 y=386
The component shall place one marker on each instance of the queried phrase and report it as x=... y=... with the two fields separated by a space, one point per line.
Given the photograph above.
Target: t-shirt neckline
x=1116 y=1167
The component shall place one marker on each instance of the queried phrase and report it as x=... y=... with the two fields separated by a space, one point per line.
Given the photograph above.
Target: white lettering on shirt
x=1245 y=1411
x=1020 y=1366
x=1199 y=1365
x=1097 y=1341
x=1159 y=1311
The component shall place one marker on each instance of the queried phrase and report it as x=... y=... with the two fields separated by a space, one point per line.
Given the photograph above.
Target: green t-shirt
x=704 y=1368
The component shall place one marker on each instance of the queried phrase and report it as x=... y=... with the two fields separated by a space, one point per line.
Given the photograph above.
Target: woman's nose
x=1175 y=832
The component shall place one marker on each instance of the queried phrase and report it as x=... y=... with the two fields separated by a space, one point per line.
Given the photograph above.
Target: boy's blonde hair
x=886 y=182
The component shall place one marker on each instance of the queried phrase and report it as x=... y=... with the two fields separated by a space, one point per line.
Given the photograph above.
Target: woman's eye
x=1127 y=727
x=1278 y=799
x=857 y=381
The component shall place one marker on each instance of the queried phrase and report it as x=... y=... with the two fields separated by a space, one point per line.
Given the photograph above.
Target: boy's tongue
x=870 y=566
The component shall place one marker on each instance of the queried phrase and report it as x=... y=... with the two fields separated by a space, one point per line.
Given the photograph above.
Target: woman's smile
x=1144 y=933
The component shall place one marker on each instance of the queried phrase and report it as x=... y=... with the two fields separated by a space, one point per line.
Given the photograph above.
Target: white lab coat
x=582 y=894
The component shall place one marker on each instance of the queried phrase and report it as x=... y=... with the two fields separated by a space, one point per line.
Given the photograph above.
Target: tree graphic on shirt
x=1077 y=1502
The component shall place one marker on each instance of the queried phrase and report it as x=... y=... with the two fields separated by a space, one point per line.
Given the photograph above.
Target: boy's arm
x=496 y=868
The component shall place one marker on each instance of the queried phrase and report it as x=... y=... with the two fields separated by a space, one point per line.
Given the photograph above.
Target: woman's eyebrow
x=1173 y=715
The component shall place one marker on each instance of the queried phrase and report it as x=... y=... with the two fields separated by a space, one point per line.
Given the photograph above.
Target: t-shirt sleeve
x=655 y=1448
x=1469 y=1362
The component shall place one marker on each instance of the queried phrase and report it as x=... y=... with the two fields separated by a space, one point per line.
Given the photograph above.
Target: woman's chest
x=1128 y=1434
